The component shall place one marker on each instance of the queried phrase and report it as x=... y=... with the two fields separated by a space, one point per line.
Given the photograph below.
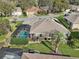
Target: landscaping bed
x=63 y=21
x=15 y=25
x=19 y=41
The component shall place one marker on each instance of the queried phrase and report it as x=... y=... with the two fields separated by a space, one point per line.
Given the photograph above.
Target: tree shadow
x=47 y=45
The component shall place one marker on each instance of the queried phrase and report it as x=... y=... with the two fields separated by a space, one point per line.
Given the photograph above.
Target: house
x=32 y=11
x=10 y=53
x=45 y=27
x=45 y=8
x=73 y=20
x=17 y=12
x=44 y=56
x=74 y=8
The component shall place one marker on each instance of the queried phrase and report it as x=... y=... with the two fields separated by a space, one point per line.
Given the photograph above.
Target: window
x=41 y=35
x=45 y=38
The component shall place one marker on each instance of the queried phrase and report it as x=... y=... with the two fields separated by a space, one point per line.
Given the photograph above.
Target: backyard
x=43 y=47
x=46 y=47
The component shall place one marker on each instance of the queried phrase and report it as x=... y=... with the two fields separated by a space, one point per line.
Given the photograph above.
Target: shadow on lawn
x=47 y=45
x=55 y=54
x=51 y=49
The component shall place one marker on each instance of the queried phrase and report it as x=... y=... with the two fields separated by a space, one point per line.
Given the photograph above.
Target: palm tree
x=56 y=39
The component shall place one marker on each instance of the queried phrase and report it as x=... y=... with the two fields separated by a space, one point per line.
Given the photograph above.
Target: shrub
x=19 y=41
x=41 y=13
x=18 y=23
x=75 y=34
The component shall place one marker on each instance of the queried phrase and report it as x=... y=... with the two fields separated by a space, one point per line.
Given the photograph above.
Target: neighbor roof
x=74 y=7
x=47 y=25
x=33 y=9
x=10 y=53
x=43 y=56
x=18 y=9
x=73 y=17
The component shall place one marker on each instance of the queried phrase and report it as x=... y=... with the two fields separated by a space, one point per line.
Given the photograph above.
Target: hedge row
x=19 y=41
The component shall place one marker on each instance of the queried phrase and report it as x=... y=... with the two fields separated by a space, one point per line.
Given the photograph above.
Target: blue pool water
x=23 y=34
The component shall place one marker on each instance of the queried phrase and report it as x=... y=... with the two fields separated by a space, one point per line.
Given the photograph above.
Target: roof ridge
x=37 y=23
x=76 y=19
x=42 y=22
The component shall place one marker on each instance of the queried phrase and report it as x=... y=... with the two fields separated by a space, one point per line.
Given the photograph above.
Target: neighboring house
x=44 y=56
x=17 y=11
x=32 y=11
x=10 y=53
x=74 y=8
x=45 y=8
x=73 y=20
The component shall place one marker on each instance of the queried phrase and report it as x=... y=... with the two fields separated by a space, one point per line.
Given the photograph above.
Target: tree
x=26 y=3
x=4 y=26
x=55 y=5
x=6 y=8
x=56 y=38
x=59 y=5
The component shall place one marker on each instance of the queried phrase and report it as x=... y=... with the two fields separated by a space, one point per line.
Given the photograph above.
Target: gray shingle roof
x=74 y=18
x=10 y=53
x=47 y=25
x=43 y=24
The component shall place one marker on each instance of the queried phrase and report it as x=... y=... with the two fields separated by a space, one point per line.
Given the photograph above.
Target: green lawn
x=14 y=25
x=2 y=37
x=41 y=47
x=76 y=42
x=36 y=46
x=19 y=41
x=66 y=50
x=46 y=47
x=22 y=16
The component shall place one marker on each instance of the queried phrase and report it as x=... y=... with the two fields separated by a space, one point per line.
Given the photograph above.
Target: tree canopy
x=5 y=8
x=4 y=26
x=26 y=3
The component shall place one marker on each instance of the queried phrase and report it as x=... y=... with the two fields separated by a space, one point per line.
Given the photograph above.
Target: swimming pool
x=23 y=34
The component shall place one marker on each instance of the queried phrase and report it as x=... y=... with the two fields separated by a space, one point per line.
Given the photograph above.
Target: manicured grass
x=63 y=21
x=19 y=41
x=46 y=47
x=4 y=17
x=14 y=25
x=40 y=47
x=76 y=42
x=66 y=50
x=22 y=16
x=2 y=37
